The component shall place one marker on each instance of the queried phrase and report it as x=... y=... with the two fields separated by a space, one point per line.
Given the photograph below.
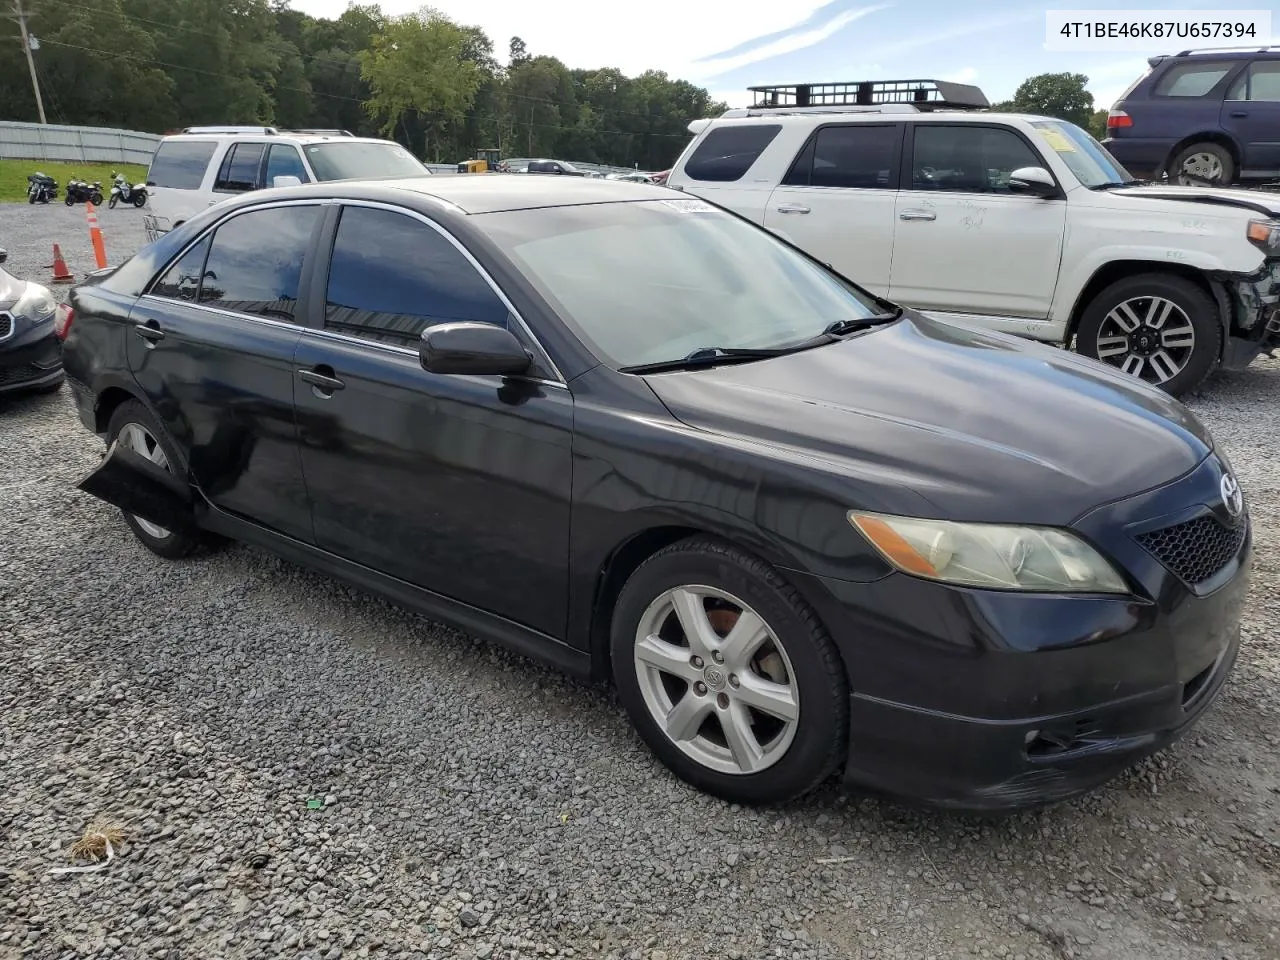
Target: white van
x=204 y=165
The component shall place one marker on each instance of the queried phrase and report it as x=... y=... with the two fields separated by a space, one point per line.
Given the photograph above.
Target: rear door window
x=1184 y=80
x=1261 y=83
x=180 y=164
x=182 y=280
x=727 y=153
x=240 y=167
x=255 y=262
x=860 y=156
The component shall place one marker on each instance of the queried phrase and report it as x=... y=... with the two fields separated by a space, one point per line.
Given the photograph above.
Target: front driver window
x=968 y=159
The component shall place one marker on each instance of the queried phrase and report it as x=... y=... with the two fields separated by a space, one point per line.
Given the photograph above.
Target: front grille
x=6 y=326
x=19 y=374
x=1196 y=550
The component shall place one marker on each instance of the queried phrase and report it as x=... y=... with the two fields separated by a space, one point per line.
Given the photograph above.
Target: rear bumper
x=1141 y=156
x=32 y=361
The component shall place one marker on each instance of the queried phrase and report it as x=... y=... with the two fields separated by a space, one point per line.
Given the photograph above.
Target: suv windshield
x=358 y=161
x=650 y=281
x=1087 y=158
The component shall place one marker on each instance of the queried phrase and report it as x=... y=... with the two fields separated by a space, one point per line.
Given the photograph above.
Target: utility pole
x=20 y=17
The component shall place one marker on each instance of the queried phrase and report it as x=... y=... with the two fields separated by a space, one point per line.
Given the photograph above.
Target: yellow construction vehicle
x=485 y=161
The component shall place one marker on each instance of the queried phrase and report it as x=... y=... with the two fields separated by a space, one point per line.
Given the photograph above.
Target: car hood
x=984 y=426
x=1258 y=201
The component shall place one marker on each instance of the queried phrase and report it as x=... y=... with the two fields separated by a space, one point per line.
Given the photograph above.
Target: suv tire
x=1164 y=327
x=791 y=666
x=1212 y=161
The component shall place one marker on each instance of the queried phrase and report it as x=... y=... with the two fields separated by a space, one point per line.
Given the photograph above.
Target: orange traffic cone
x=60 y=272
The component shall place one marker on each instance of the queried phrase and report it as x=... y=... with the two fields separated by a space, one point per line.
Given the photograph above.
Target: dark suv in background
x=1201 y=117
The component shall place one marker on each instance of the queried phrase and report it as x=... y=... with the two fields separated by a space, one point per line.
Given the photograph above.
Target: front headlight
x=1037 y=559
x=1264 y=234
x=36 y=304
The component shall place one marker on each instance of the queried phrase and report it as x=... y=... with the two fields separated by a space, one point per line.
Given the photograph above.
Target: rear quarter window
x=1184 y=80
x=180 y=164
x=727 y=153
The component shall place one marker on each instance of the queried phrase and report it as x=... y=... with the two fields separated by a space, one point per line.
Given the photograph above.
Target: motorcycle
x=123 y=191
x=41 y=188
x=81 y=191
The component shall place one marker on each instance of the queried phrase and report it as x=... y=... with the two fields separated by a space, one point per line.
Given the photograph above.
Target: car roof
x=476 y=193
x=302 y=138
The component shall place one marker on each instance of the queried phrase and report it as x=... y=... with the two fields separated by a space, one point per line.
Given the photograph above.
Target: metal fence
x=50 y=142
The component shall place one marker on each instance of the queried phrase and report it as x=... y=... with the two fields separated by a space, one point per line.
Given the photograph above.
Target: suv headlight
x=1035 y=559
x=1264 y=234
x=36 y=304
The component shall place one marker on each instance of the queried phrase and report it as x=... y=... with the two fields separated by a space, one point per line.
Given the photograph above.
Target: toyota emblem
x=1232 y=498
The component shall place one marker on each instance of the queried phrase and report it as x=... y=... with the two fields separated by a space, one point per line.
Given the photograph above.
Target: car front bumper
x=30 y=359
x=989 y=700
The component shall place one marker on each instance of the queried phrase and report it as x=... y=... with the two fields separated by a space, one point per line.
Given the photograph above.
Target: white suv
x=204 y=165
x=1020 y=224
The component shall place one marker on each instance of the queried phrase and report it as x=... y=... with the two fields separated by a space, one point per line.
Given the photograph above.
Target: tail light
x=62 y=321
x=1117 y=119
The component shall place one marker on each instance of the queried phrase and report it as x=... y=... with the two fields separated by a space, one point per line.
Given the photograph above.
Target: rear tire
x=758 y=715
x=145 y=435
x=96 y=198
x=1161 y=328
x=139 y=200
x=1203 y=165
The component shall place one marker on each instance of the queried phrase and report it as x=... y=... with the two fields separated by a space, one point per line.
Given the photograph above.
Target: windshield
x=358 y=161
x=649 y=281
x=1087 y=158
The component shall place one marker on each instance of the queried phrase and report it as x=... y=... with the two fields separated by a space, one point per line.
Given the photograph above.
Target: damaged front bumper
x=1251 y=304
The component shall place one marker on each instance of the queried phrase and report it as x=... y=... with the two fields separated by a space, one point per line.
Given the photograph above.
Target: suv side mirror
x=286 y=180
x=472 y=349
x=1036 y=181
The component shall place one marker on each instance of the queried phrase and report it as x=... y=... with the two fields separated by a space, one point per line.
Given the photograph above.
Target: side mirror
x=1036 y=181
x=472 y=349
x=286 y=180
x=4 y=255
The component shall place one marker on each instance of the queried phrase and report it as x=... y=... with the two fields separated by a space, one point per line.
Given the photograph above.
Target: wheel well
x=1118 y=270
x=1209 y=136
x=108 y=402
x=623 y=562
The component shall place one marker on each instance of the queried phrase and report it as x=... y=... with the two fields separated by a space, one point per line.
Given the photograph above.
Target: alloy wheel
x=1151 y=338
x=138 y=438
x=1200 y=168
x=716 y=680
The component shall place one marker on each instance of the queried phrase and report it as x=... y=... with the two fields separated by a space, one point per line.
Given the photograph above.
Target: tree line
x=437 y=86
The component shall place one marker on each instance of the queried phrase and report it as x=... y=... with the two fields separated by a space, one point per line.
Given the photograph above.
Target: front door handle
x=917 y=215
x=322 y=382
x=792 y=208
x=149 y=331
x=1239 y=113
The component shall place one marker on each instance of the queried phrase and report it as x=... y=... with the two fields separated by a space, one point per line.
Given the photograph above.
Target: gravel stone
x=202 y=703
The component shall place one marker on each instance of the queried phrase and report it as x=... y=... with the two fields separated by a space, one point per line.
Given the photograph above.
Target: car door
x=212 y=348
x=1251 y=116
x=966 y=243
x=836 y=201
x=457 y=484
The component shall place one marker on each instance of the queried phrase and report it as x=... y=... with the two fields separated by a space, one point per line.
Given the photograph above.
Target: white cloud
x=963 y=75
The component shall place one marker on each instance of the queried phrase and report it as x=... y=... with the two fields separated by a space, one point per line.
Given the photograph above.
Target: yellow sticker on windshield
x=1056 y=140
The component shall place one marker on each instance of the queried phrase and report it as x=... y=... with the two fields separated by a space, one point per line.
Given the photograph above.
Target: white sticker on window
x=689 y=206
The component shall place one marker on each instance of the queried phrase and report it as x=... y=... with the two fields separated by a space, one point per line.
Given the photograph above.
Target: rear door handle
x=321 y=381
x=792 y=208
x=1239 y=113
x=917 y=215
x=148 y=331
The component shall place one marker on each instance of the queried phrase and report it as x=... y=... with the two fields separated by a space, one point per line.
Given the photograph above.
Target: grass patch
x=14 y=173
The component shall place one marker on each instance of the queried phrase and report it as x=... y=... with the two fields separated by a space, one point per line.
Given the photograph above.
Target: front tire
x=135 y=427
x=111 y=204
x=1161 y=328
x=728 y=675
x=1203 y=165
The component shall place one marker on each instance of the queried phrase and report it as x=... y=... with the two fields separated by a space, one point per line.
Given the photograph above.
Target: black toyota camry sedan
x=30 y=358
x=805 y=532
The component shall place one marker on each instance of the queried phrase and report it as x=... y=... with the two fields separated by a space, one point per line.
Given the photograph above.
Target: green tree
x=1060 y=95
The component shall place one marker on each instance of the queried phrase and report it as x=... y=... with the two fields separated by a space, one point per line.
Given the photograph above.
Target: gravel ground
x=304 y=771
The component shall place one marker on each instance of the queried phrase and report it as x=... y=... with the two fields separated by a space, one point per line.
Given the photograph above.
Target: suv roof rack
x=1243 y=49
x=323 y=133
x=264 y=131
x=920 y=94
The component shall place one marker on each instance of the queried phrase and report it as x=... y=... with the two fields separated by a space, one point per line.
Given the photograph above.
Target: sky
x=728 y=46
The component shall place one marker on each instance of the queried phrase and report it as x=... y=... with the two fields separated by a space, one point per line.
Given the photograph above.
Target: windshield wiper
x=708 y=357
x=842 y=328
